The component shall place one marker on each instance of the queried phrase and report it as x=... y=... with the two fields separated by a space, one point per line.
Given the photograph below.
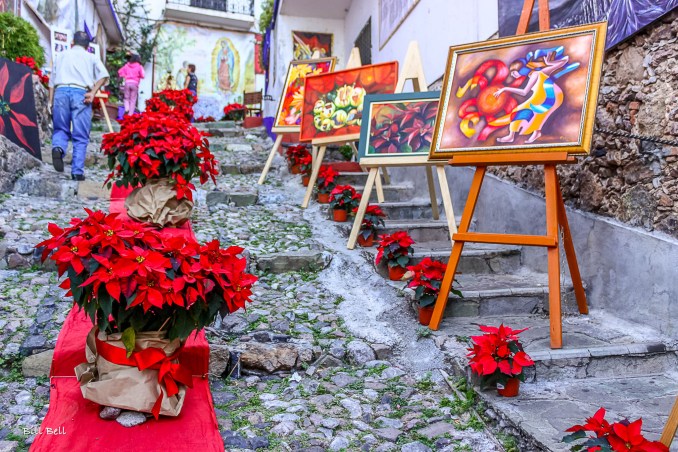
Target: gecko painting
x=529 y=93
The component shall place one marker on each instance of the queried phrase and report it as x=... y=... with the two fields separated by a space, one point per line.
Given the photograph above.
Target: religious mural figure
x=225 y=67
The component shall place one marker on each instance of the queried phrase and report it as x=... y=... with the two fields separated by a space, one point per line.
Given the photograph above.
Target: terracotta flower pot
x=305 y=180
x=324 y=198
x=295 y=169
x=366 y=243
x=510 y=389
x=425 y=314
x=396 y=273
x=340 y=215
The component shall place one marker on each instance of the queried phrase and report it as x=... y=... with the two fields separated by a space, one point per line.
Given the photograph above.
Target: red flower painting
x=333 y=102
x=17 y=107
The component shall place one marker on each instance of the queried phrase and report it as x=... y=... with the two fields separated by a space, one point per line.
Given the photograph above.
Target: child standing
x=132 y=73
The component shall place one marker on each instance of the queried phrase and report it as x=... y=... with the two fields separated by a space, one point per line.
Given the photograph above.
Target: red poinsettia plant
x=427 y=277
x=326 y=179
x=395 y=248
x=129 y=277
x=498 y=355
x=344 y=197
x=234 y=111
x=620 y=436
x=30 y=62
x=374 y=217
x=306 y=164
x=295 y=154
x=159 y=145
x=173 y=101
x=205 y=119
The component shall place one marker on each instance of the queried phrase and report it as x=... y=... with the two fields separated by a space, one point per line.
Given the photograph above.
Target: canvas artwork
x=399 y=125
x=521 y=94
x=333 y=102
x=288 y=118
x=392 y=13
x=18 y=118
x=624 y=17
x=309 y=44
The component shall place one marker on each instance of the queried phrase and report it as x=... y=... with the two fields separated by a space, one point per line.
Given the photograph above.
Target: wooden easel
x=671 y=426
x=556 y=216
x=321 y=143
x=412 y=70
x=101 y=96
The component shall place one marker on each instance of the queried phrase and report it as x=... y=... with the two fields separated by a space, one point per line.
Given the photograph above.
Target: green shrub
x=19 y=38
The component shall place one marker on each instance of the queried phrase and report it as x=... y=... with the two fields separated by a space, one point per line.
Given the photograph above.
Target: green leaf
x=403 y=260
x=129 y=339
x=405 y=148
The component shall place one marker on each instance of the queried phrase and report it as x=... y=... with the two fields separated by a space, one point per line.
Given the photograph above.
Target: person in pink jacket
x=132 y=73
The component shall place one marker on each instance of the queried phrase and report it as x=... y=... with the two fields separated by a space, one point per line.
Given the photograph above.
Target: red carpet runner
x=72 y=424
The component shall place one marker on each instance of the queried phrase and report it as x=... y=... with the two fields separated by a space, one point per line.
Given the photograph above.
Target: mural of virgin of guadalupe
x=225 y=67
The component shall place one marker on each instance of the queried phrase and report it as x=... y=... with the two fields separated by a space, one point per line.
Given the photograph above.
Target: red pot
x=396 y=273
x=425 y=314
x=324 y=198
x=366 y=243
x=340 y=215
x=305 y=180
x=295 y=169
x=510 y=389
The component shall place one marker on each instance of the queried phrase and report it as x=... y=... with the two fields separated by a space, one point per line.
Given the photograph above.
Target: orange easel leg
x=455 y=256
x=572 y=264
x=555 y=315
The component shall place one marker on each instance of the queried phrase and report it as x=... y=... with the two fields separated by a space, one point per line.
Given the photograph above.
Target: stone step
x=409 y=210
x=594 y=346
x=420 y=230
x=351 y=178
x=476 y=257
x=393 y=192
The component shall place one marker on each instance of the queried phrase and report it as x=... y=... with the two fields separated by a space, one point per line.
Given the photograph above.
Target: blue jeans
x=72 y=119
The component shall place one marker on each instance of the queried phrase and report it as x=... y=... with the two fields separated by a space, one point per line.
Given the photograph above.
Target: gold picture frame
x=501 y=96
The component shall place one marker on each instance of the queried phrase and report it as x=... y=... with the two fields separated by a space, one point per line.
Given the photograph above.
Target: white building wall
x=282 y=50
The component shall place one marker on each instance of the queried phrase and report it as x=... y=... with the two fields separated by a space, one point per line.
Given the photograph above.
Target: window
x=364 y=43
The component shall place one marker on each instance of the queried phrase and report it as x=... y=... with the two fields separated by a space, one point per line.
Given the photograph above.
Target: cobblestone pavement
x=309 y=376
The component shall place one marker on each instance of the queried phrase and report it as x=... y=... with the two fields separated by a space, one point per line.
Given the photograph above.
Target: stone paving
x=327 y=357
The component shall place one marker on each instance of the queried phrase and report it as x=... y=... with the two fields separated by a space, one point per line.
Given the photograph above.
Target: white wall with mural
x=224 y=63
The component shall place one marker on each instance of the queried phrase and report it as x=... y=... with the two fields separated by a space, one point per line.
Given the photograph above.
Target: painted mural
x=625 y=17
x=224 y=62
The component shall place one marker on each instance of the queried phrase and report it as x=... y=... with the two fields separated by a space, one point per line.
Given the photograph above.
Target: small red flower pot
x=366 y=243
x=510 y=389
x=324 y=198
x=295 y=169
x=396 y=273
x=425 y=314
x=305 y=180
x=340 y=215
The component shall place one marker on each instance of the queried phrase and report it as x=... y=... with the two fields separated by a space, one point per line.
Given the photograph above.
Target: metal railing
x=229 y=6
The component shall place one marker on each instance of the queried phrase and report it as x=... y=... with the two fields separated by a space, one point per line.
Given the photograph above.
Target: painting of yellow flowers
x=288 y=118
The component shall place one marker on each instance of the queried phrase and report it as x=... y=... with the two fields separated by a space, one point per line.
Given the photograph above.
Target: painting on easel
x=399 y=125
x=333 y=102
x=534 y=92
x=288 y=118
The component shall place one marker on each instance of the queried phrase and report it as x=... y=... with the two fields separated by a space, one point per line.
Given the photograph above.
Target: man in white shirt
x=76 y=78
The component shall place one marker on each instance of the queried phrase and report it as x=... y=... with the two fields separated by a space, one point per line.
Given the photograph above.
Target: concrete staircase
x=628 y=368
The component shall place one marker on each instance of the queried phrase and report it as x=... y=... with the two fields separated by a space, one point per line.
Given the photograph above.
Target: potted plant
x=294 y=156
x=145 y=291
x=619 y=436
x=498 y=358
x=172 y=101
x=234 y=112
x=396 y=249
x=343 y=200
x=306 y=166
x=374 y=217
x=427 y=276
x=202 y=119
x=159 y=154
x=326 y=183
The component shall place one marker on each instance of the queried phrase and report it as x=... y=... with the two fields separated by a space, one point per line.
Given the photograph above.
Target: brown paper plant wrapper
x=157 y=203
x=127 y=387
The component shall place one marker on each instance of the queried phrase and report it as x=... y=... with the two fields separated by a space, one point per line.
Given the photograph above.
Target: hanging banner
x=224 y=62
x=61 y=39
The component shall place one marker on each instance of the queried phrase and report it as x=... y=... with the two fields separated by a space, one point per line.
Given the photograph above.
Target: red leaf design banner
x=18 y=119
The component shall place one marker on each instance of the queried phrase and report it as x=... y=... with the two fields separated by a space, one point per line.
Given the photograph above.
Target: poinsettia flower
x=142 y=261
x=10 y=99
x=419 y=134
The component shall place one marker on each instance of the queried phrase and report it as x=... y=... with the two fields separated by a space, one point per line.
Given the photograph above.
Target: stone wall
x=633 y=181
x=42 y=109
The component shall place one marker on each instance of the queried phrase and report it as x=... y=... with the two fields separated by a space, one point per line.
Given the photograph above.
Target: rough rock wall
x=42 y=110
x=14 y=161
x=633 y=181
